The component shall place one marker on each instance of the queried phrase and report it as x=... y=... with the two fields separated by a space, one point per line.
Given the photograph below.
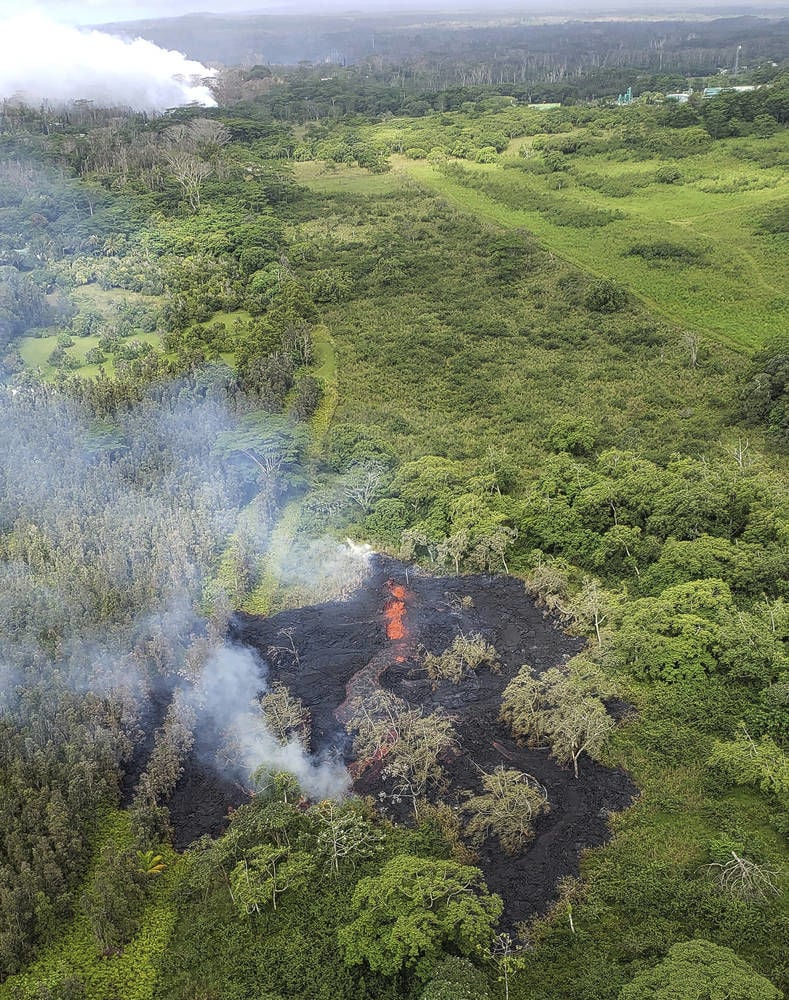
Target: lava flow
x=367 y=680
x=394 y=615
x=346 y=649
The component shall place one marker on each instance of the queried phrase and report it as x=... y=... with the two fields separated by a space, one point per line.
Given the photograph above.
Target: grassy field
x=35 y=351
x=432 y=303
x=736 y=294
x=333 y=179
x=105 y=301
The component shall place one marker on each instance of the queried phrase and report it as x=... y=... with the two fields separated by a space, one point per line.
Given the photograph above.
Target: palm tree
x=151 y=863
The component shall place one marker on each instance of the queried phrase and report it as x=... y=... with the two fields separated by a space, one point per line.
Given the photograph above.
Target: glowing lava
x=394 y=612
x=394 y=615
x=367 y=681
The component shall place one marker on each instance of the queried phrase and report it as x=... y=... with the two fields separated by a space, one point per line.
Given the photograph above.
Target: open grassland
x=457 y=335
x=331 y=178
x=35 y=353
x=105 y=303
x=732 y=284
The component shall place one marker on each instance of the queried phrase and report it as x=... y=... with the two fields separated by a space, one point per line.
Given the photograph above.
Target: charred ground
x=359 y=642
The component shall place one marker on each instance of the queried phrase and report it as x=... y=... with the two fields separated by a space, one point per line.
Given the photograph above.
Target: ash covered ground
x=374 y=637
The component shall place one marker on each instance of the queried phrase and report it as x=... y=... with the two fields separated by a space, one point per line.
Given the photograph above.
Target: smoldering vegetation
x=112 y=641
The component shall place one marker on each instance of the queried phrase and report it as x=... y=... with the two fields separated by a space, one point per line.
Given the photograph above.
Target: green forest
x=245 y=347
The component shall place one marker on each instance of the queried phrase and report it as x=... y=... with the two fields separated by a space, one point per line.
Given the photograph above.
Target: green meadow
x=604 y=206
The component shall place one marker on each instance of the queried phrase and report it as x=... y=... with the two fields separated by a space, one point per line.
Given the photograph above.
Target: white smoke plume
x=227 y=694
x=41 y=60
x=138 y=529
x=322 y=569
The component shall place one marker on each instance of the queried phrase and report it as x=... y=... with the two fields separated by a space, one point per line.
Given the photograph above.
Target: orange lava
x=394 y=612
x=358 y=767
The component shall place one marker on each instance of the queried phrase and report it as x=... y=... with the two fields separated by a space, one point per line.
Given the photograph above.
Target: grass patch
x=741 y=298
x=333 y=178
x=35 y=353
x=105 y=301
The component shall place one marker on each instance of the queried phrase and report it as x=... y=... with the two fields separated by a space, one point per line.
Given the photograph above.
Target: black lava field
x=374 y=637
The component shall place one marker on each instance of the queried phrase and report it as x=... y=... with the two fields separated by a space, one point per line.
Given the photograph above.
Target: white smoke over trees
x=227 y=693
x=109 y=554
x=43 y=61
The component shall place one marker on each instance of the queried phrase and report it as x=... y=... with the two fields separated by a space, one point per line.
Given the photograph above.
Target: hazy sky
x=100 y=11
x=103 y=11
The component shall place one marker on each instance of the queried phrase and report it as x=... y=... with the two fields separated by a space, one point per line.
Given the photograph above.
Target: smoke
x=41 y=60
x=227 y=696
x=322 y=569
x=105 y=554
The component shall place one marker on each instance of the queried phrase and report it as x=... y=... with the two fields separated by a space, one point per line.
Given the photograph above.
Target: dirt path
x=263 y=598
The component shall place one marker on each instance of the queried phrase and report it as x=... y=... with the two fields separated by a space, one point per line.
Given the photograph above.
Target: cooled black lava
x=337 y=640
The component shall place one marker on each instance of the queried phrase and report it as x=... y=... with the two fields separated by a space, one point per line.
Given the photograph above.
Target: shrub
x=456 y=979
x=465 y=655
x=507 y=807
x=665 y=252
x=695 y=970
x=307 y=396
x=579 y=216
x=775 y=221
x=94 y=357
x=668 y=174
x=486 y=155
x=575 y=435
x=606 y=297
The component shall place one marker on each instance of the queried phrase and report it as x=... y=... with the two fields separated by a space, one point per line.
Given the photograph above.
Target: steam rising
x=41 y=60
x=227 y=695
x=134 y=520
x=321 y=569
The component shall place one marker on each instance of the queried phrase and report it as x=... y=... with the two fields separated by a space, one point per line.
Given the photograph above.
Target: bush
x=507 y=807
x=606 y=297
x=94 y=357
x=59 y=359
x=306 y=397
x=456 y=979
x=465 y=655
x=486 y=155
x=664 y=252
x=579 y=216
x=775 y=221
x=575 y=435
x=697 y=970
x=668 y=174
